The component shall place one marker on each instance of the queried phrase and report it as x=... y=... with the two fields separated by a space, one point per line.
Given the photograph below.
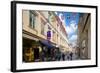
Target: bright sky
x=71 y=21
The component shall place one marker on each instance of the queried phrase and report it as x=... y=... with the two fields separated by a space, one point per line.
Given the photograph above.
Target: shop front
x=48 y=50
x=36 y=49
x=31 y=49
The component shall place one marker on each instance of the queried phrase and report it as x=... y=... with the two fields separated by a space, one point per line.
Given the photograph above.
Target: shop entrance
x=36 y=53
x=30 y=50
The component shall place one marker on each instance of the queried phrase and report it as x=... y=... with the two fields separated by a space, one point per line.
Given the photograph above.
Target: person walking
x=63 y=57
x=42 y=56
x=58 y=54
x=71 y=55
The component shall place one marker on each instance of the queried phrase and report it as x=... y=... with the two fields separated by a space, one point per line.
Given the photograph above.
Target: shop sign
x=49 y=35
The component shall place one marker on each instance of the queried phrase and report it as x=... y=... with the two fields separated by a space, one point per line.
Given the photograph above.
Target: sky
x=70 y=20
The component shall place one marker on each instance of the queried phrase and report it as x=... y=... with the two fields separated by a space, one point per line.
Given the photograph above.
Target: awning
x=30 y=37
x=47 y=44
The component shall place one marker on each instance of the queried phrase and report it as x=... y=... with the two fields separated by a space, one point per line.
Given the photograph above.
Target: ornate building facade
x=84 y=36
x=42 y=29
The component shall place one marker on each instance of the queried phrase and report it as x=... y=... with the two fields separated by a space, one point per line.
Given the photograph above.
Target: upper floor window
x=54 y=36
x=43 y=26
x=49 y=28
x=32 y=19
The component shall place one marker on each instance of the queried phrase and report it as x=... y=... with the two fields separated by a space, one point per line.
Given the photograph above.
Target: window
x=49 y=28
x=84 y=43
x=32 y=19
x=54 y=36
x=51 y=17
x=57 y=38
x=43 y=27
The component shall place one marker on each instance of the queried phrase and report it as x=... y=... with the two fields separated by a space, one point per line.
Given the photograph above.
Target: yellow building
x=36 y=25
x=33 y=31
x=84 y=36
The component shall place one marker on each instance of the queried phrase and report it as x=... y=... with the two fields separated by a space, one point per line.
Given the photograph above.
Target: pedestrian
x=68 y=57
x=42 y=56
x=52 y=54
x=71 y=54
x=58 y=54
x=63 y=56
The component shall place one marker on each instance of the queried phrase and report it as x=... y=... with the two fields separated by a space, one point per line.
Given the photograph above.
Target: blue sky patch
x=71 y=21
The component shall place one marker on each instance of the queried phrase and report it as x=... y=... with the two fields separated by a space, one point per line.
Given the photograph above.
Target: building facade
x=84 y=36
x=42 y=29
x=59 y=34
